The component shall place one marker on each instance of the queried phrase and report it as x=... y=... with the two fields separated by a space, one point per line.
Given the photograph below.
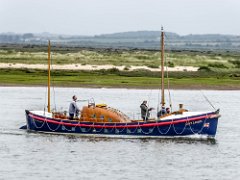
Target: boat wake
x=15 y=132
x=96 y=137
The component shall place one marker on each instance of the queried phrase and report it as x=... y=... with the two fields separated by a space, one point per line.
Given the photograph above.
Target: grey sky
x=89 y=17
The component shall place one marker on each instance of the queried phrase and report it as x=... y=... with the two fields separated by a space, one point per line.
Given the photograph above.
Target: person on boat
x=181 y=109
x=163 y=111
x=73 y=108
x=168 y=110
x=145 y=111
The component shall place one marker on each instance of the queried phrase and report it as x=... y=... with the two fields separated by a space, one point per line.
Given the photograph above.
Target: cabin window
x=93 y=115
x=102 y=117
x=109 y=119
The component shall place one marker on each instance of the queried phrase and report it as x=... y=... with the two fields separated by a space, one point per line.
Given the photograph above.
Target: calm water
x=39 y=156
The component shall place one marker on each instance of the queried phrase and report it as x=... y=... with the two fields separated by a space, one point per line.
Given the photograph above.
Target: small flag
x=206 y=125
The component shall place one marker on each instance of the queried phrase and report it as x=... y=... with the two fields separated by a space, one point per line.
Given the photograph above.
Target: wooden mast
x=49 y=50
x=162 y=66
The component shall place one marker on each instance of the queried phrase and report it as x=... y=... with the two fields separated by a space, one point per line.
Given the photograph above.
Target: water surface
x=41 y=156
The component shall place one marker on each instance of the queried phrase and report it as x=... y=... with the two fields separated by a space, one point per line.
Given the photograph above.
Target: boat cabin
x=97 y=113
x=102 y=113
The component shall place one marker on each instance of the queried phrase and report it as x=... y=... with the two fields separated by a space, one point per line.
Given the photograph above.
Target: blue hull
x=201 y=125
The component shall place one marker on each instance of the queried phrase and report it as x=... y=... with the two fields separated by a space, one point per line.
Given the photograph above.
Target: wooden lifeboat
x=103 y=113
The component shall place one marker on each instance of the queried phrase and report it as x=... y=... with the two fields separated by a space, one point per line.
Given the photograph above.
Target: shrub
x=217 y=65
x=170 y=64
x=235 y=75
x=114 y=70
x=126 y=68
x=235 y=62
x=204 y=68
x=152 y=66
x=142 y=57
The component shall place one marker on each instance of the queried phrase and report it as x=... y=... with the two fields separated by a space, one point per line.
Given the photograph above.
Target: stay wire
x=208 y=100
x=149 y=98
x=45 y=102
x=53 y=86
x=160 y=85
x=168 y=81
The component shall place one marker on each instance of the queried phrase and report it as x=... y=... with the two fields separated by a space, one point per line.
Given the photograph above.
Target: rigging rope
x=54 y=99
x=208 y=100
x=149 y=96
x=166 y=65
x=45 y=102
x=168 y=85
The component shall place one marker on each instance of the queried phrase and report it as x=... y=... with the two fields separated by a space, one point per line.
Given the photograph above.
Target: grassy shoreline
x=217 y=88
x=219 y=70
x=119 y=79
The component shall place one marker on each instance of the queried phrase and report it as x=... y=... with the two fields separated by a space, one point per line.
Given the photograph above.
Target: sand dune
x=92 y=67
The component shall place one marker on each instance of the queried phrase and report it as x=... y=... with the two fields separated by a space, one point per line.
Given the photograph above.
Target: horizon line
x=50 y=33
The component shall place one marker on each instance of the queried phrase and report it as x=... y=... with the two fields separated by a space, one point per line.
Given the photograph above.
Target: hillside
x=137 y=39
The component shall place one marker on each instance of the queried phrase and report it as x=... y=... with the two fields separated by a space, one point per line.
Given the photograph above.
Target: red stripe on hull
x=123 y=126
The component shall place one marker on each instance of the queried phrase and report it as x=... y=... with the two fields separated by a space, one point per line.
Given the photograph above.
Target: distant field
x=217 y=70
x=123 y=79
x=150 y=58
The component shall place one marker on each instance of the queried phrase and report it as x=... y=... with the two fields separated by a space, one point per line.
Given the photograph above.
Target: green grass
x=108 y=78
x=220 y=70
x=150 y=58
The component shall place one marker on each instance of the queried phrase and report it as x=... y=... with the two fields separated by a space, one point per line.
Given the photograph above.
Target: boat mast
x=162 y=66
x=49 y=50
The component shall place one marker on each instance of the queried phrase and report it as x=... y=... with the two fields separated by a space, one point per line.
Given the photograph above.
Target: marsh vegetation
x=217 y=70
x=127 y=57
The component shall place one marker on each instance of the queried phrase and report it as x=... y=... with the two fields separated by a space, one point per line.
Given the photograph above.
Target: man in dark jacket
x=162 y=112
x=145 y=111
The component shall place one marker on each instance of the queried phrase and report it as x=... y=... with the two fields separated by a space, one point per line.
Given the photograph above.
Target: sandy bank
x=91 y=67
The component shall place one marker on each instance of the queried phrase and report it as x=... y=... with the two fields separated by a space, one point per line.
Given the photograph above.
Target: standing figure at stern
x=145 y=111
x=73 y=108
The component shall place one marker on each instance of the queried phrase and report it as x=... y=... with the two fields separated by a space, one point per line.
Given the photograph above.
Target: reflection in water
x=76 y=138
x=143 y=140
x=181 y=140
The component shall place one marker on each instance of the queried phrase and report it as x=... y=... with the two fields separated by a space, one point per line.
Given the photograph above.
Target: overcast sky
x=90 y=17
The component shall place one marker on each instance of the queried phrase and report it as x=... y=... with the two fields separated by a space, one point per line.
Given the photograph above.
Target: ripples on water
x=42 y=156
